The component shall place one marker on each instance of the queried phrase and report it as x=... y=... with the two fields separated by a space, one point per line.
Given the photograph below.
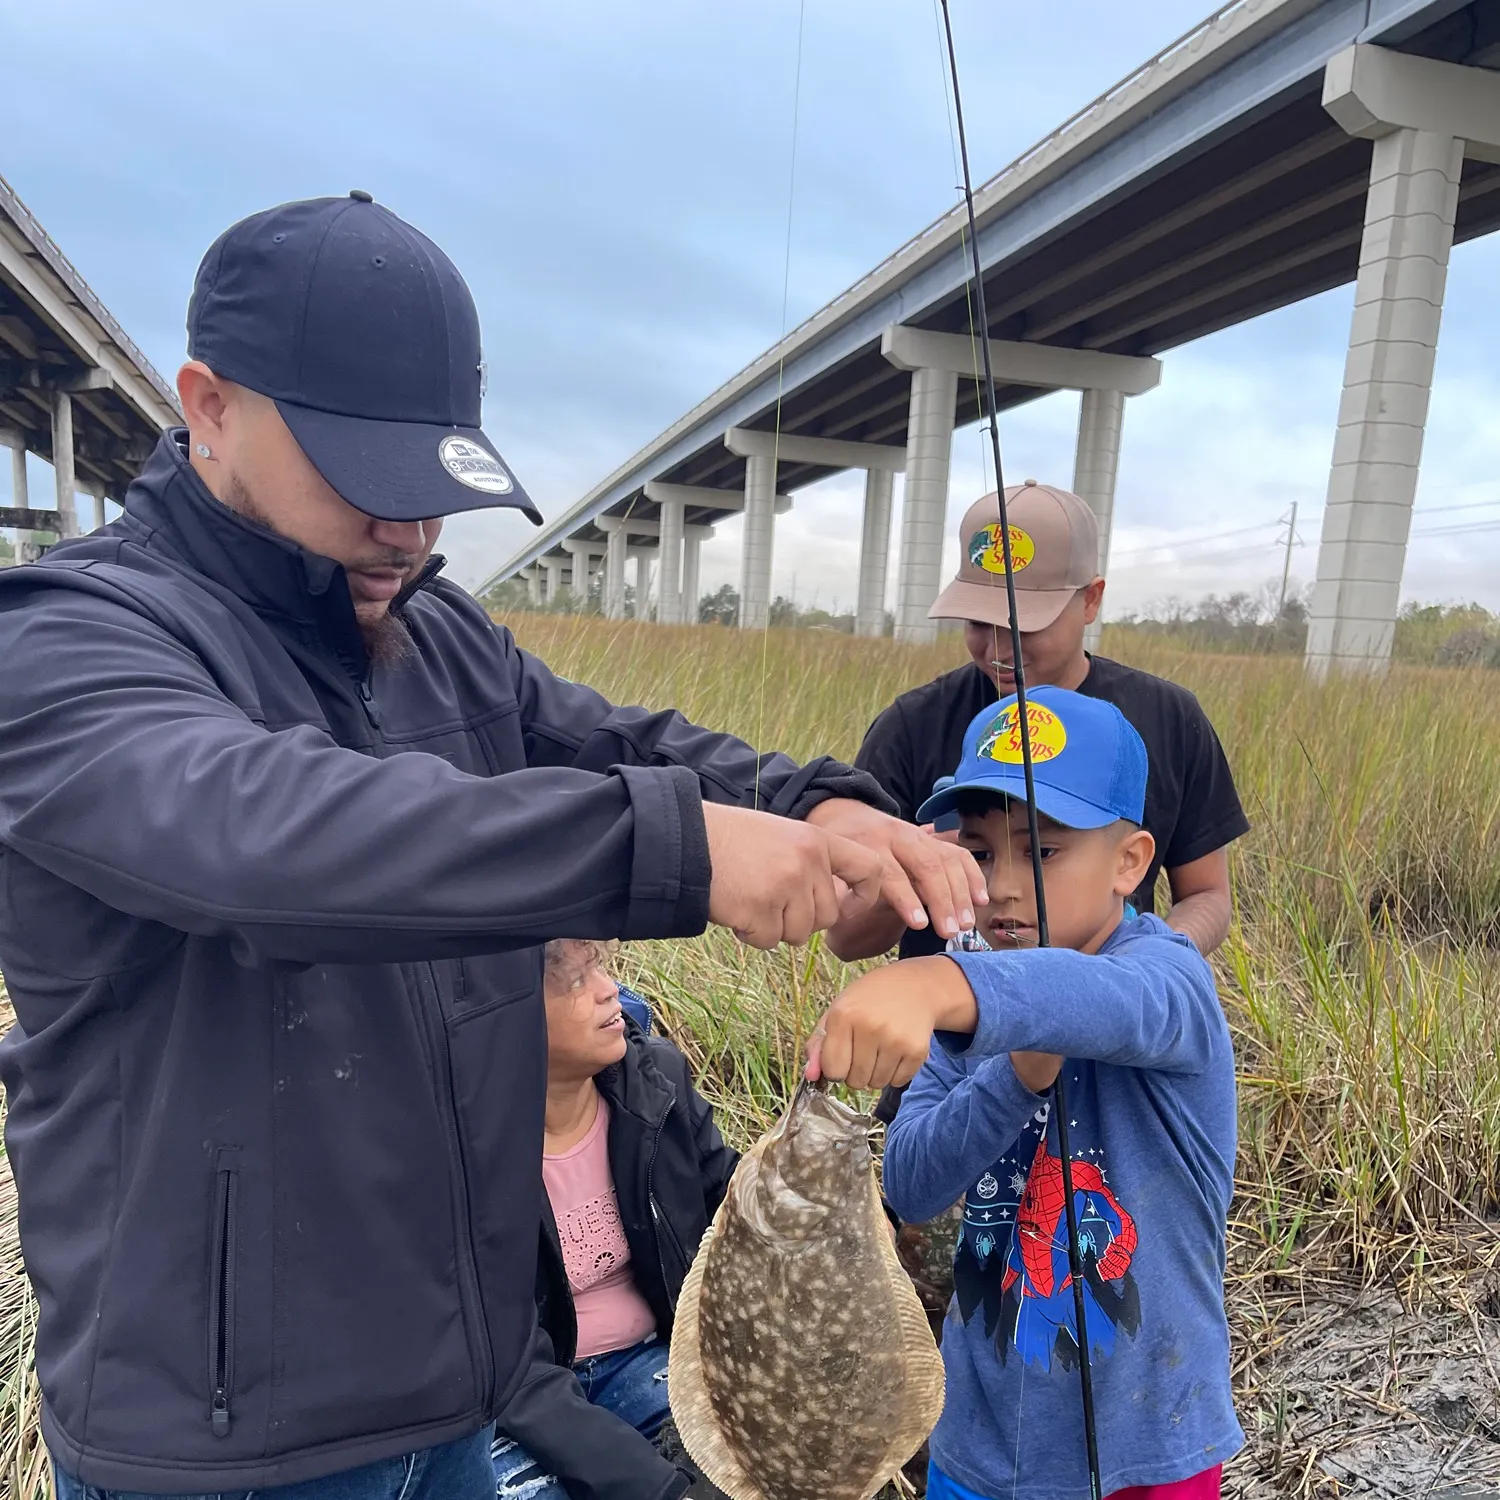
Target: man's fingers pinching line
x=862 y=871
x=945 y=879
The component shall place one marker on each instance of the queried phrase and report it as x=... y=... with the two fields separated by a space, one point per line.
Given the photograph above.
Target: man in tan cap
x=1192 y=809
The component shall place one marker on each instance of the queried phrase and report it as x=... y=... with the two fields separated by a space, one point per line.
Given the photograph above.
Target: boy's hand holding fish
x=879 y=1031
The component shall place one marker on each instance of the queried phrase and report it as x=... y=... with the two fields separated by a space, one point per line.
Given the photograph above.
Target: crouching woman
x=634 y=1169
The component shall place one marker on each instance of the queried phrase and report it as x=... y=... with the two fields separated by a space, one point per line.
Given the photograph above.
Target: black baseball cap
x=367 y=339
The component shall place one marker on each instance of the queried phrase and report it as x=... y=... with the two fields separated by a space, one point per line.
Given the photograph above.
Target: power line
x=1468 y=529
x=1193 y=539
x=1197 y=556
x=1433 y=510
x=1177 y=542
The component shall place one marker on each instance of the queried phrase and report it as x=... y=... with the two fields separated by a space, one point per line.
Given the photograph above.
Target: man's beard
x=388 y=642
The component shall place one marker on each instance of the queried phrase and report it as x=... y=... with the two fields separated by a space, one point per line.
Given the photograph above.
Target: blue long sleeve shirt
x=1149 y=1074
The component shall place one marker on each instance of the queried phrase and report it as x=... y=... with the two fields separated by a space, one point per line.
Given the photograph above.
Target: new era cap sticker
x=1003 y=742
x=472 y=465
x=986 y=551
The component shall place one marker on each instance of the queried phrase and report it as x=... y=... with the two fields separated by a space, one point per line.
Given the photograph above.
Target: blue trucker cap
x=367 y=338
x=1088 y=763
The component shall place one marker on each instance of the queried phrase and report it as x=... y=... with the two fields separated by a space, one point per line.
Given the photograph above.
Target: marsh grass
x=1362 y=974
x=1361 y=978
x=23 y=1463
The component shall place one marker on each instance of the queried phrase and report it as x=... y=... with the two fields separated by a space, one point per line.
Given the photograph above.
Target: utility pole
x=1286 y=568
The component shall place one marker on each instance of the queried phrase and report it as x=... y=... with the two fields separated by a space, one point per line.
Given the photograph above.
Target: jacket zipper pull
x=221 y=1412
x=367 y=701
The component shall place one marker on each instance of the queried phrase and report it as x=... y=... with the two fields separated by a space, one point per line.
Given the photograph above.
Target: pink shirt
x=612 y=1314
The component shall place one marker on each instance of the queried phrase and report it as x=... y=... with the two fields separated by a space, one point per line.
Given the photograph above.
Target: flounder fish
x=802 y=1365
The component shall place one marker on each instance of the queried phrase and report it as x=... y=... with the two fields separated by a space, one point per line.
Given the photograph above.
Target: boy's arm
x=1151 y=1005
x=950 y=1129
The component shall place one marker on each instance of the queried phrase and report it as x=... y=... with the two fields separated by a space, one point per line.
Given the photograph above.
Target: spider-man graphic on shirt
x=1012 y=1257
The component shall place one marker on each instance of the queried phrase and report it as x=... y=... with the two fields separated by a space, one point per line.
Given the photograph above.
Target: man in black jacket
x=279 y=816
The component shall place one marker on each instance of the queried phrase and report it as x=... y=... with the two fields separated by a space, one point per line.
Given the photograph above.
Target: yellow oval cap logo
x=985 y=550
x=1003 y=742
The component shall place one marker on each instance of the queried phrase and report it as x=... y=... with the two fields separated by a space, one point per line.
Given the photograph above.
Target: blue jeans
x=632 y=1383
x=452 y=1471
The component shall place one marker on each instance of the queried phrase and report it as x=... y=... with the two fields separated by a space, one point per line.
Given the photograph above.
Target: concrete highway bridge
x=1282 y=148
x=73 y=388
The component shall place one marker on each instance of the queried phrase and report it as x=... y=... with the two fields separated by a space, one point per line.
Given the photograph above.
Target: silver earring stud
x=201 y=449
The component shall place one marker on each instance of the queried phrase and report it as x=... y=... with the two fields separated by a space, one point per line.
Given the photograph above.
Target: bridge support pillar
x=96 y=490
x=20 y=493
x=534 y=586
x=1096 y=462
x=691 y=549
x=554 y=567
x=582 y=554
x=929 y=447
x=616 y=545
x=1424 y=118
x=28 y=545
x=62 y=461
x=1398 y=304
x=874 y=551
x=760 y=535
x=642 y=556
x=669 y=580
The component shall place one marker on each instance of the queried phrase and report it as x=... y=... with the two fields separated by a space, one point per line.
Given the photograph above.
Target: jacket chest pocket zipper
x=659 y=1225
x=222 y=1276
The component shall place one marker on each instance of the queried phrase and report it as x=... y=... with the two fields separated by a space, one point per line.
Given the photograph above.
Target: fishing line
x=1059 y=1092
x=939 y=12
x=786 y=285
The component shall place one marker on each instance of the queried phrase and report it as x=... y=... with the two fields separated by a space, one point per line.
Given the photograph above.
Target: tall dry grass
x=1361 y=977
x=23 y=1463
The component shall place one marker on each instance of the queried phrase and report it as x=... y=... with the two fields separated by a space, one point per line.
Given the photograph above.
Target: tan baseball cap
x=1054 y=544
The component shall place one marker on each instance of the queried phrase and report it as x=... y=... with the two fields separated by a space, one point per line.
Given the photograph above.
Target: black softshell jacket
x=670 y=1168
x=270 y=921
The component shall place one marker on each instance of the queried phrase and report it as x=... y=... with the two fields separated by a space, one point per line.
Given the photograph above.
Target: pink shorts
x=1204 y=1486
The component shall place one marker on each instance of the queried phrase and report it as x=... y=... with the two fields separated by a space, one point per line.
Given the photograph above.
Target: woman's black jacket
x=670 y=1168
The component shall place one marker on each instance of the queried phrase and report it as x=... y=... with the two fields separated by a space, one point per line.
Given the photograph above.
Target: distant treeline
x=1433 y=635
x=1243 y=622
x=719 y=608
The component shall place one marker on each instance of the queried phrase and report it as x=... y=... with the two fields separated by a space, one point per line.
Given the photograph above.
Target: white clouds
x=613 y=182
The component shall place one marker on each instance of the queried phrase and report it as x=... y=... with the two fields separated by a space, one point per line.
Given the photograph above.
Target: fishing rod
x=1059 y=1093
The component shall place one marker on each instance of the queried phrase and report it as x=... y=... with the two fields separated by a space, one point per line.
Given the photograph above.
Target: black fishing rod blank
x=1059 y=1092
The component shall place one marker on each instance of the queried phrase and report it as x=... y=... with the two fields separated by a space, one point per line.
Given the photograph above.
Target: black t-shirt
x=1192 y=807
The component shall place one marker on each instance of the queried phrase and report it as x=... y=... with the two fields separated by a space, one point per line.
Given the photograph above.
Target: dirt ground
x=1348 y=1391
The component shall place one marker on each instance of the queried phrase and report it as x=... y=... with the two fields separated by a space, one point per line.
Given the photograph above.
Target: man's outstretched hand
x=923 y=878
x=779 y=880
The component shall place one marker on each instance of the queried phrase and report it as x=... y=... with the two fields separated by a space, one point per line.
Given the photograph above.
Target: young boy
x=1126 y=1010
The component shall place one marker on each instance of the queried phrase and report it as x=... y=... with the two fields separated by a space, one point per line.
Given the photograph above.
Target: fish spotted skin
x=811 y=1345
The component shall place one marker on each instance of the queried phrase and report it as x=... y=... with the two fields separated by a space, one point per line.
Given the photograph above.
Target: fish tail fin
x=688 y=1394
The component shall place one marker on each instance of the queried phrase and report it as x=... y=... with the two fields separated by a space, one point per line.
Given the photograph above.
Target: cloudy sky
x=615 y=181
